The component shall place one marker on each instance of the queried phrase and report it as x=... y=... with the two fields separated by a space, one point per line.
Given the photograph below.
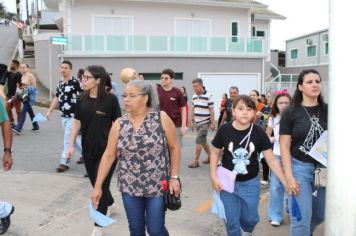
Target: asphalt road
x=8 y=42
x=50 y=203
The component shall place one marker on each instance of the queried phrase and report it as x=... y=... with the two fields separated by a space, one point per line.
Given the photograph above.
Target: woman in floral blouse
x=142 y=140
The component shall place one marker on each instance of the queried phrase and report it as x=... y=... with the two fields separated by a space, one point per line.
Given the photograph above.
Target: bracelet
x=7 y=150
x=174 y=177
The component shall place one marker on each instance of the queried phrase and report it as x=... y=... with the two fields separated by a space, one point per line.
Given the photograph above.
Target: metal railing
x=291 y=86
x=151 y=44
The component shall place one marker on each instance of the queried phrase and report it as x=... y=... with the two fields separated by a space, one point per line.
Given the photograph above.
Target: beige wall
x=157 y=19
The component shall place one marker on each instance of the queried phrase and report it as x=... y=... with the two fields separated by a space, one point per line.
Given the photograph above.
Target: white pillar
x=341 y=191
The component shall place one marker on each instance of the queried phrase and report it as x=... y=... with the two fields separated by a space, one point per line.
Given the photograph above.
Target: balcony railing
x=146 y=44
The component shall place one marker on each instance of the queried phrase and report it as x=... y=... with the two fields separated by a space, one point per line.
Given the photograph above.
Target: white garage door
x=219 y=83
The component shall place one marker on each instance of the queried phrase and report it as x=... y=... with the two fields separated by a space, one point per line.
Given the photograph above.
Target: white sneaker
x=243 y=233
x=264 y=182
x=97 y=231
x=275 y=223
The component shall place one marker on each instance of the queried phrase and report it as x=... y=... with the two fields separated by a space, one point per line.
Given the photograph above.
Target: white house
x=225 y=42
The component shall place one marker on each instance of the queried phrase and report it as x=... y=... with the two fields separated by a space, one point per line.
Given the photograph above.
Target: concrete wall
x=318 y=39
x=42 y=61
x=157 y=19
x=190 y=67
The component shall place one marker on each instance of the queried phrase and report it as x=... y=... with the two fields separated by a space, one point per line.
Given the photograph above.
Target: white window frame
x=238 y=30
x=316 y=50
x=113 y=16
x=191 y=19
x=297 y=54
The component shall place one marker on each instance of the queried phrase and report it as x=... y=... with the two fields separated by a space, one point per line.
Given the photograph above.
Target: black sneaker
x=13 y=125
x=35 y=129
x=16 y=131
x=80 y=161
x=6 y=221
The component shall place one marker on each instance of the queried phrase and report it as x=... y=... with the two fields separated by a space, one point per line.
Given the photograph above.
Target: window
x=253 y=31
x=112 y=25
x=294 y=54
x=326 y=48
x=192 y=27
x=260 y=33
x=311 y=51
x=234 y=31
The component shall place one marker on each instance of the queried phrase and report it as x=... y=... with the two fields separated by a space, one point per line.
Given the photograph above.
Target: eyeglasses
x=132 y=95
x=87 y=77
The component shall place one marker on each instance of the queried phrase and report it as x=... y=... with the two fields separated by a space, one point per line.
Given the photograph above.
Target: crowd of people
x=145 y=143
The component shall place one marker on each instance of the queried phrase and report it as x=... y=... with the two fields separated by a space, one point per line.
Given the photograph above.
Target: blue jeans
x=241 y=207
x=276 y=197
x=67 y=126
x=311 y=208
x=145 y=212
x=26 y=108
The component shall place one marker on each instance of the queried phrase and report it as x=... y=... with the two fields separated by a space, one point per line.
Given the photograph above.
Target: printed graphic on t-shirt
x=314 y=133
x=240 y=157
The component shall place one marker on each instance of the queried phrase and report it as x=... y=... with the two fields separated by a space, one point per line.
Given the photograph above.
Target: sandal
x=195 y=164
x=207 y=161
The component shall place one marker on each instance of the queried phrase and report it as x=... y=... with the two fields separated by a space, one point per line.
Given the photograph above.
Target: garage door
x=219 y=83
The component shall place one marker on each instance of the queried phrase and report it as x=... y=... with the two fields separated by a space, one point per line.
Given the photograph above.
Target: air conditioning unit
x=309 y=41
x=325 y=37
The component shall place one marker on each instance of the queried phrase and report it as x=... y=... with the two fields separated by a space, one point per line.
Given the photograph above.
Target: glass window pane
x=260 y=33
x=294 y=54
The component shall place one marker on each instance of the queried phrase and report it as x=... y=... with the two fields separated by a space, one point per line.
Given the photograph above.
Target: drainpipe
x=341 y=191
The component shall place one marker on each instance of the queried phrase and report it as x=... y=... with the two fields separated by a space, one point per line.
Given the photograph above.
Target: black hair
x=68 y=63
x=298 y=95
x=99 y=72
x=274 y=108
x=16 y=62
x=245 y=99
x=169 y=72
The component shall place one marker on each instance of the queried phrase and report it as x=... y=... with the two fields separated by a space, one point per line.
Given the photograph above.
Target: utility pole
x=27 y=15
x=19 y=30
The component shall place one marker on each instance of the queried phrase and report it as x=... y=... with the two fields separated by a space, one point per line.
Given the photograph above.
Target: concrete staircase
x=42 y=99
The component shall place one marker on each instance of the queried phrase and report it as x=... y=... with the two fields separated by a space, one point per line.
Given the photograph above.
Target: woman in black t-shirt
x=241 y=141
x=301 y=125
x=95 y=111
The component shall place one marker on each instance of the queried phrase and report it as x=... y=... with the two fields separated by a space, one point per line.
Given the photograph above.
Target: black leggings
x=92 y=165
x=265 y=168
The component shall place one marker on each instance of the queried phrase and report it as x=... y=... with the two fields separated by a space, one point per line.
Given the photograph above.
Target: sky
x=303 y=17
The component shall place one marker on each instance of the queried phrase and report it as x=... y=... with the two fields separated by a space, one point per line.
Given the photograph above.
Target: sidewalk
x=56 y=204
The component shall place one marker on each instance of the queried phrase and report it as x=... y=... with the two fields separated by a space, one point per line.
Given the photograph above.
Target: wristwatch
x=7 y=150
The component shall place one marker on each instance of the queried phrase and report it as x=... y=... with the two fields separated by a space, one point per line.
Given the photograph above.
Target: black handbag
x=171 y=201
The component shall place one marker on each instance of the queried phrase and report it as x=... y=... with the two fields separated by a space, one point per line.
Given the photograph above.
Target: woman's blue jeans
x=276 y=197
x=241 y=206
x=145 y=212
x=311 y=208
x=26 y=108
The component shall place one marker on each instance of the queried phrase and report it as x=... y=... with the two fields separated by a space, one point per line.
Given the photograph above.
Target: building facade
x=225 y=42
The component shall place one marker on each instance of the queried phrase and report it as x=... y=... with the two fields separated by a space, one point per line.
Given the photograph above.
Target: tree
x=2 y=10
